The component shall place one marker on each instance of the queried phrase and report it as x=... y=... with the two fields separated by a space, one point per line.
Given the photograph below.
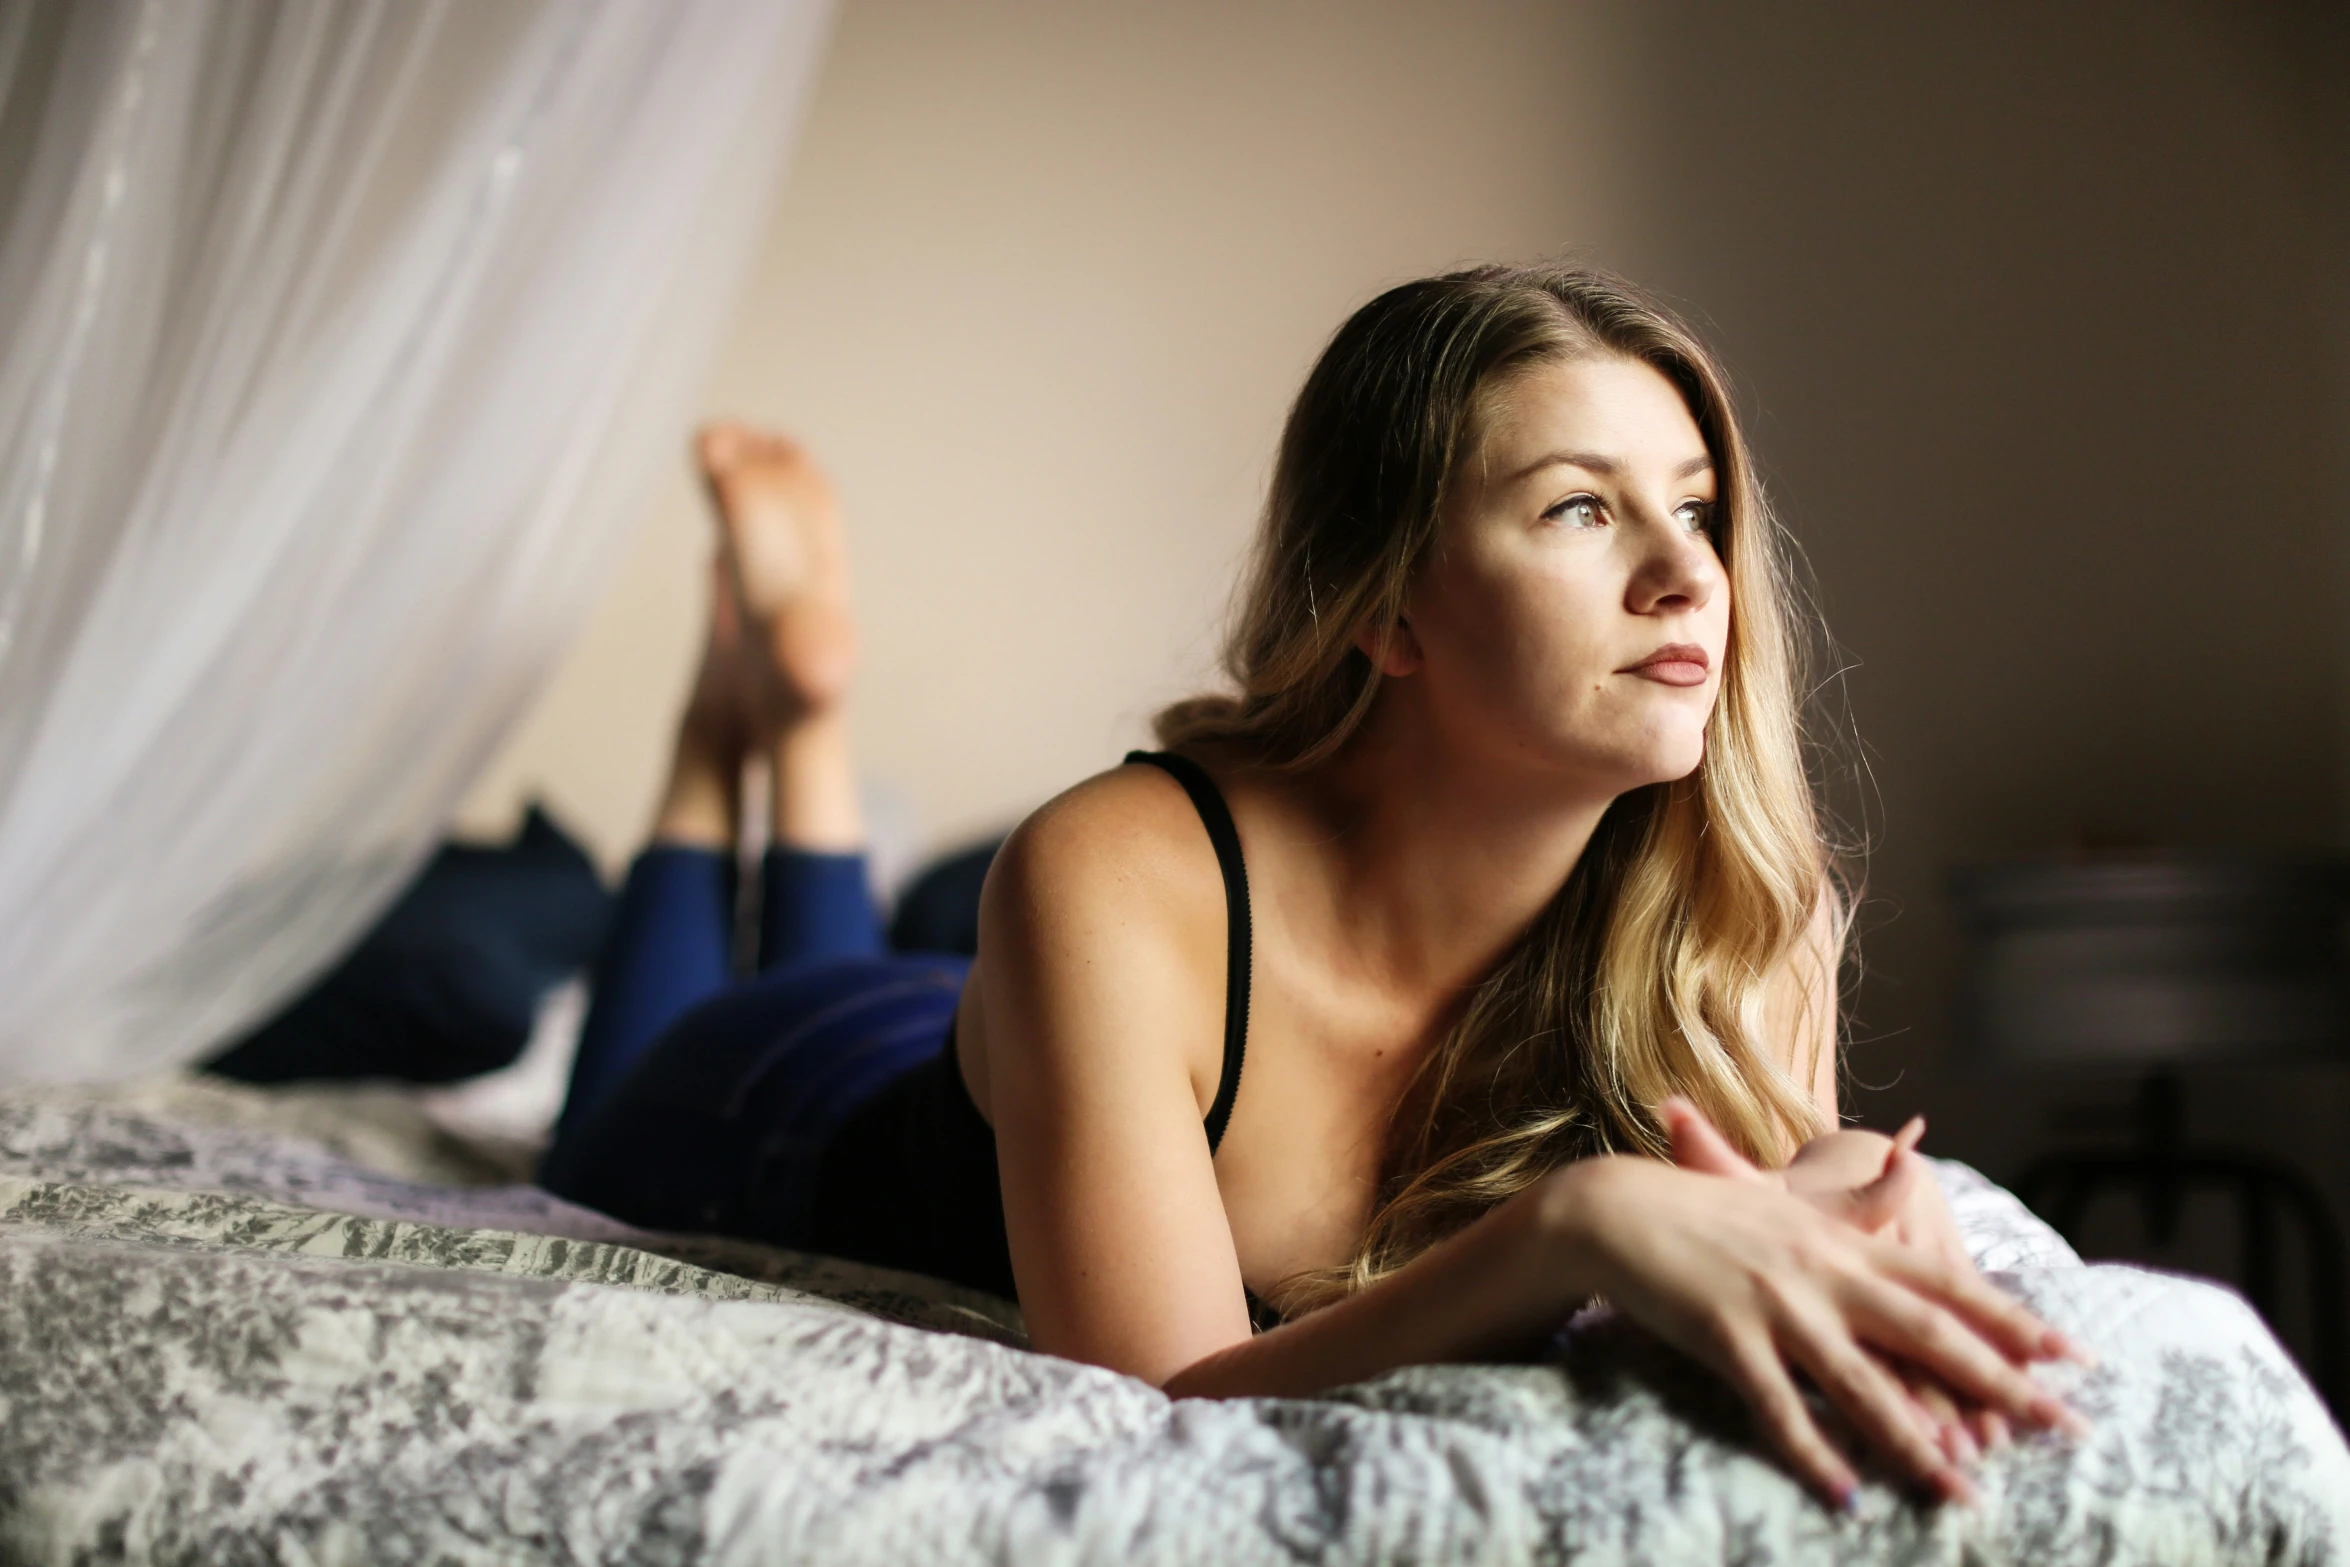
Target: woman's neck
x=1437 y=862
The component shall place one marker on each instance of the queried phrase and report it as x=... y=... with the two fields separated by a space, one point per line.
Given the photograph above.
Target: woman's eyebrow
x=1593 y=462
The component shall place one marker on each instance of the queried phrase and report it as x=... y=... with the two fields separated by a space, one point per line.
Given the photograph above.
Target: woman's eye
x=1696 y=516
x=1576 y=511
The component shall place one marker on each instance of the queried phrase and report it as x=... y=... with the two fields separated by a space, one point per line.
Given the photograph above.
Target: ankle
x=814 y=778
x=701 y=803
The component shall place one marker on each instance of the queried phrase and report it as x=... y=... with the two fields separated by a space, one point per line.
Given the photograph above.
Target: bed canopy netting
x=340 y=345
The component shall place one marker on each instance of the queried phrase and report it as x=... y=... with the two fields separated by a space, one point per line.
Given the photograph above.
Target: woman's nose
x=1677 y=570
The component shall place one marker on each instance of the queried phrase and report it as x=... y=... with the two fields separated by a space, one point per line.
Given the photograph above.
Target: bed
x=314 y=1326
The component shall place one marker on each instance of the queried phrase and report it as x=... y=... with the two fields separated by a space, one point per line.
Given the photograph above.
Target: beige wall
x=2026 y=300
x=1039 y=287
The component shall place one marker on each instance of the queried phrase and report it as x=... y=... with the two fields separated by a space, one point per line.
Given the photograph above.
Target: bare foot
x=790 y=564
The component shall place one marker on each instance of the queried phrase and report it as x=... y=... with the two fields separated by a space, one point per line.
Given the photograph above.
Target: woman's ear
x=1392 y=649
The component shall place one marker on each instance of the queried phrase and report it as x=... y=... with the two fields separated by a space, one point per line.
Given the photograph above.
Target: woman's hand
x=1759 y=1283
x=1879 y=1185
x=1872 y=1182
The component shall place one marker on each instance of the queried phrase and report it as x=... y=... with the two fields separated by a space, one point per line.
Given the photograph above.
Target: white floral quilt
x=242 y=1326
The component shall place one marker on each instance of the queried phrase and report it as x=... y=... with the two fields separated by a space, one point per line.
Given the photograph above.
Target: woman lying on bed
x=1501 y=978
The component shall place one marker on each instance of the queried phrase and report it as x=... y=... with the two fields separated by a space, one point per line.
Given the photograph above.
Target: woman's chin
x=1667 y=764
x=1618 y=759
x=1619 y=774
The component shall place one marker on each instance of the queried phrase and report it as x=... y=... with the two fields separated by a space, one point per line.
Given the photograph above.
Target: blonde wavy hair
x=1648 y=973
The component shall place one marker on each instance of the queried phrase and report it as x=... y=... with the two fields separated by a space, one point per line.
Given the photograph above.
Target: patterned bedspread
x=239 y=1326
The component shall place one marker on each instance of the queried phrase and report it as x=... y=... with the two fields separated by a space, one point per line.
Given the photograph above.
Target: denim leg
x=720 y=1126
x=671 y=946
x=815 y=906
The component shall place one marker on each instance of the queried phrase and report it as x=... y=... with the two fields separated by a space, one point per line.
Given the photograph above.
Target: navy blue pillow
x=447 y=984
x=939 y=911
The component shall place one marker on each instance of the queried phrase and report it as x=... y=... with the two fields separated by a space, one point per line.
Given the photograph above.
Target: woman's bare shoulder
x=1128 y=835
x=1101 y=942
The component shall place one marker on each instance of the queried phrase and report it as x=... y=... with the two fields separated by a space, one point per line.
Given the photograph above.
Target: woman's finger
x=1904 y=1324
x=1993 y=1313
x=1755 y=1368
x=1878 y=1405
x=1990 y=1428
x=1931 y=1228
x=1878 y=1202
x=1699 y=1145
x=1957 y=1430
x=1950 y=1246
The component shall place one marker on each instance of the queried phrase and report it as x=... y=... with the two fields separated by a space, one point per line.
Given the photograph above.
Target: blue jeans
x=702 y=1103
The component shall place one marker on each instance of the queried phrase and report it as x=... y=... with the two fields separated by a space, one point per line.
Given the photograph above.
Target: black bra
x=1217 y=817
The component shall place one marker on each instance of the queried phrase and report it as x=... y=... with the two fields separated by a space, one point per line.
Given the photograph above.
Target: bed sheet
x=309 y=1326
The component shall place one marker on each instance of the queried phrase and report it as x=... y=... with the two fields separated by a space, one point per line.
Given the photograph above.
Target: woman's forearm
x=1493 y=1292
x=1749 y=1278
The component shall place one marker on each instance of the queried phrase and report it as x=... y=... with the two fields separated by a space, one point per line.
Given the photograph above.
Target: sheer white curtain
x=338 y=340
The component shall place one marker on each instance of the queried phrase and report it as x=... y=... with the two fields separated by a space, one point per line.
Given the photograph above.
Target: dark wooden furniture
x=2149 y=963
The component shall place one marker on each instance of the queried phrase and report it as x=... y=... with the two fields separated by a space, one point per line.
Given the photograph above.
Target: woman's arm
x=1103 y=929
x=1745 y=1278
x=1101 y=997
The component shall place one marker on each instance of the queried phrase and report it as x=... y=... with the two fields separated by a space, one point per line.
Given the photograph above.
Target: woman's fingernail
x=1912 y=1132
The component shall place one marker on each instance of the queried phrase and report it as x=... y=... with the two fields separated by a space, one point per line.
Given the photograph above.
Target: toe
x=774 y=446
x=721 y=444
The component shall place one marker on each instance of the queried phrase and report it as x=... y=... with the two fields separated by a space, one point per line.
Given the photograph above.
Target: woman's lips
x=1680 y=664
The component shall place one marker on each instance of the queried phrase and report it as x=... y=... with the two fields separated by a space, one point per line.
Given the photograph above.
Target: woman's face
x=1574 y=615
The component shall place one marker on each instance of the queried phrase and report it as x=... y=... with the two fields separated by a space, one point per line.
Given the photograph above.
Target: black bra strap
x=1217 y=817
